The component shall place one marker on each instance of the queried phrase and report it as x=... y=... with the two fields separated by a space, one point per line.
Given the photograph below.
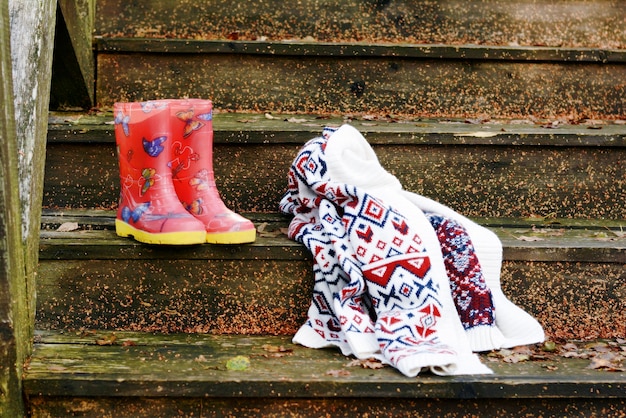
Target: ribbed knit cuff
x=484 y=338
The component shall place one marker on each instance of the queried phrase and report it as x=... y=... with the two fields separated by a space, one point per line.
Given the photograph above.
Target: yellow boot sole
x=236 y=237
x=166 y=238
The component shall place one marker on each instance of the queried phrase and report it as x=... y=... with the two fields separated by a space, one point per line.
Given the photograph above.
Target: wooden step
x=144 y=375
x=569 y=274
x=483 y=168
x=418 y=80
x=592 y=24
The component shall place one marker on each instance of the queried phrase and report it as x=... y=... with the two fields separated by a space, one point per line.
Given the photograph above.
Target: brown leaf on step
x=476 y=121
x=516 y=358
x=607 y=361
x=68 y=227
x=338 y=373
x=296 y=120
x=261 y=227
x=522 y=349
x=276 y=349
x=267 y=234
x=284 y=231
x=200 y=359
x=107 y=340
x=570 y=347
x=128 y=343
x=598 y=346
x=551 y=125
x=529 y=239
x=370 y=363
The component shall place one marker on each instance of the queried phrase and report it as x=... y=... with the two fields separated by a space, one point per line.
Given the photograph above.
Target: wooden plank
x=520 y=244
x=570 y=277
x=26 y=30
x=500 y=22
x=32 y=40
x=349 y=49
x=477 y=180
x=177 y=295
x=199 y=370
x=418 y=87
x=281 y=128
x=14 y=318
x=571 y=299
x=342 y=407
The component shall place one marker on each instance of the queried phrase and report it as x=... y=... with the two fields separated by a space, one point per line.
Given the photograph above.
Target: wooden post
x=12 y=297
x=26 y=45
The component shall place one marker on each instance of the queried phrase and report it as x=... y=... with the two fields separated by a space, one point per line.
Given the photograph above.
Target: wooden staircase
x=509 y=112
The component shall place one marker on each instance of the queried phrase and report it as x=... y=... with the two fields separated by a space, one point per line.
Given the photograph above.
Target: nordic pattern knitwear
x=471 y=295
x=375 y=293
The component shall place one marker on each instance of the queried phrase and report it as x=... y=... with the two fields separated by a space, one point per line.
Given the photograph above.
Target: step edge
x=43 y=380
x=248 y=128
x=83 y=245
x=360 y=50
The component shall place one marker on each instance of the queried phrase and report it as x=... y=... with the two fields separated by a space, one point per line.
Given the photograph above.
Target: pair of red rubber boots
x=168 y=193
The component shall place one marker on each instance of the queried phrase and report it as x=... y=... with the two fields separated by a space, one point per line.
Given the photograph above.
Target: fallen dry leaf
x=529 y=239
x=107 y=340
x=338 y=373
x=551 y=125
x=276 y=349
x=68 y=227
x=296 y=120
x=369 y=363
x=610 y=363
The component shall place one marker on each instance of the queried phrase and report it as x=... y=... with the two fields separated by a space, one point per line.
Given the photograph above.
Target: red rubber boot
x=192 y=171
x=149 y=208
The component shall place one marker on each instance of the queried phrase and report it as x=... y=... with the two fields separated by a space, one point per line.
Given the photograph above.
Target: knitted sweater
x=398 y=277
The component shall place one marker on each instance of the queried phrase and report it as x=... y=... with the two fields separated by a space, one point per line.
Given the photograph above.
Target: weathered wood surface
x=423 y=87
x=493 y=169
x=360 y=49
x=147 y=365
x=14 y=308
x=570 y=276
x=573 y=23
x=188 y=374
x=148 y=407
x=296 y=129
x=26 y=36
